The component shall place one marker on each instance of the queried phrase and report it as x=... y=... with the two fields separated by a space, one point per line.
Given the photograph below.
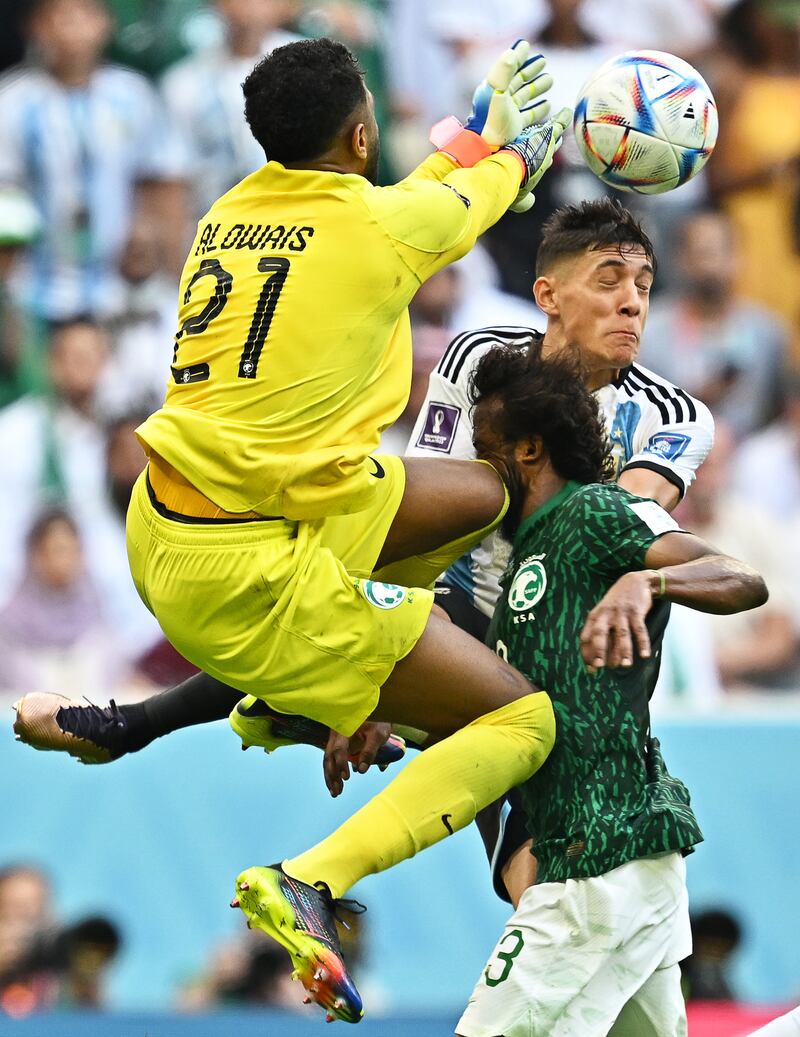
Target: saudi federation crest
x=528 y=585
x=383 y=595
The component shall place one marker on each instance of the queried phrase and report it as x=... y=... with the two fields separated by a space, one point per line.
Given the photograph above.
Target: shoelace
x=340 y=904
x=82 y=721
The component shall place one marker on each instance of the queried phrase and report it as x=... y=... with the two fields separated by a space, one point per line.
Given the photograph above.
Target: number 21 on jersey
x=276 y=268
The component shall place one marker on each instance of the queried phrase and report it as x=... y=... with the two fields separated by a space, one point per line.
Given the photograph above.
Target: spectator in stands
x=92 y=143
x=152 y=36
x=756 y=168
x=26 y=920
x=252 y=970
x=716 y=934
x=416 y=98
x=726 y=350
x=63 y=459
x=142 y=333
x=758 y=648
x=44 y=966
x=204 y=96
x=53 y=633
x=20 y=358
x=80 y=958
x=154 y=661
x=767 y=465
x=71 y=459
x=247 y=970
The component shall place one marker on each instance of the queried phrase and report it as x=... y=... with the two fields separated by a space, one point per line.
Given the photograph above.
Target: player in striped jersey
x=594 y=271
x=653 y=425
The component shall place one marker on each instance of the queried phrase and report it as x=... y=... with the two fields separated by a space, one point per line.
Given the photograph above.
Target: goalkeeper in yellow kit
x=261 y=516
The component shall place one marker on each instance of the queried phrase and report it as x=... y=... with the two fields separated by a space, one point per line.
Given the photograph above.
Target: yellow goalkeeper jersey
x=294 y=346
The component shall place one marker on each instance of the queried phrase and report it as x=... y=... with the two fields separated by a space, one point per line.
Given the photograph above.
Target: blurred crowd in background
x=47 y=963
x=121 y=121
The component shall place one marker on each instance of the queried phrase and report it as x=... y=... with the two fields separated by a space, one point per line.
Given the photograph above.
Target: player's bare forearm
x=683 y=569
x=643 y=482
x=695 y=574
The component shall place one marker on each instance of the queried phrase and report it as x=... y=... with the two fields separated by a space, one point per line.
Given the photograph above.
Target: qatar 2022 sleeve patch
x=667 y=445
x=439 y=429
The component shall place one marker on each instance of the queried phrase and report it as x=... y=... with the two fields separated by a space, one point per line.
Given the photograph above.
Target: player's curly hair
x=603 y=223
x=299 y=97
x=531 y=396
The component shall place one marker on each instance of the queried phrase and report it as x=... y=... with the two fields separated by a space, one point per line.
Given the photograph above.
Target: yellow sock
x=435 y=795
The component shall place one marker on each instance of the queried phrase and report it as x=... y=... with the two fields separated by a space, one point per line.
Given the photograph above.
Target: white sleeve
x=180 y=90
x=444 y=423
x=675 y=449
x=160 y=148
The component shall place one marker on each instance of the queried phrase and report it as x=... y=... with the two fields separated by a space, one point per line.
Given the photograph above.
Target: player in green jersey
x=593 y=946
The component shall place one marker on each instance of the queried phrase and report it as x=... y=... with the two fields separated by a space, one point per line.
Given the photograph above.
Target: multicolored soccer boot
x=92 y=734
x=256 y=723
x=302 y=919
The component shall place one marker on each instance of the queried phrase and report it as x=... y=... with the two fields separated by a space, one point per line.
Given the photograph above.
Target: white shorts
x=590 y=958
x=785 y=1026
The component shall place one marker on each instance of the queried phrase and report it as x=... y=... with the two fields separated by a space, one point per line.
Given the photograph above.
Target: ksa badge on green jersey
x=528 y=585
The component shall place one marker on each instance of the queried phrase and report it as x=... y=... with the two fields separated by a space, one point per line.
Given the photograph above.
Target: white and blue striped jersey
x=651 y=423
x=203 y=94
x=79 y=153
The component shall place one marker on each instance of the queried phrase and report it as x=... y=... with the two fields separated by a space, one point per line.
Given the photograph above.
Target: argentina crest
x=527 y=587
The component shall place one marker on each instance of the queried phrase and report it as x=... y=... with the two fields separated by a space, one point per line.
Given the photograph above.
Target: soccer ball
x=646 y=121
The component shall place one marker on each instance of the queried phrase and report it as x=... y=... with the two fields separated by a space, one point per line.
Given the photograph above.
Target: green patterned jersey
x=603 y=796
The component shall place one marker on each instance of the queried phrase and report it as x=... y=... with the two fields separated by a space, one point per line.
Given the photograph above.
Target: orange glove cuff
x=464 y=146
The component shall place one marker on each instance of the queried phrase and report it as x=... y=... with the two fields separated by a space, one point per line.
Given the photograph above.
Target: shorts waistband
x=192 y=520
x=201 y=534
x=181 y=498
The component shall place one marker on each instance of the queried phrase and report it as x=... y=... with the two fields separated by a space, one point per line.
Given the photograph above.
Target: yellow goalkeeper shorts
x=285 y=610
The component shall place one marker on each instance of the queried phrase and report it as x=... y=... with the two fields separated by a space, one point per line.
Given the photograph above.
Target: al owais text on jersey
x=252 y=236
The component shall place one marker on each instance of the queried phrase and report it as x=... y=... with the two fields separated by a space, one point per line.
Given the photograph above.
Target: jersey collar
x=554 y=502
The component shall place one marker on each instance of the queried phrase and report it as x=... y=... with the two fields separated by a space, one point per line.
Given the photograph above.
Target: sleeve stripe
x=665 y=417
x=451 y=363
x=449 y=355
x=689 y=404
x=651 y=387
x=684 y=404
x=463 y=356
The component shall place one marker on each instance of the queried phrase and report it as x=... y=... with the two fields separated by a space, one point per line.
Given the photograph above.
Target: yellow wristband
x=662 y=583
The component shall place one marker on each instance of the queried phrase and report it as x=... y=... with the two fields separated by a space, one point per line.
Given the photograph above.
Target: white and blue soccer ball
x=646 y=121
